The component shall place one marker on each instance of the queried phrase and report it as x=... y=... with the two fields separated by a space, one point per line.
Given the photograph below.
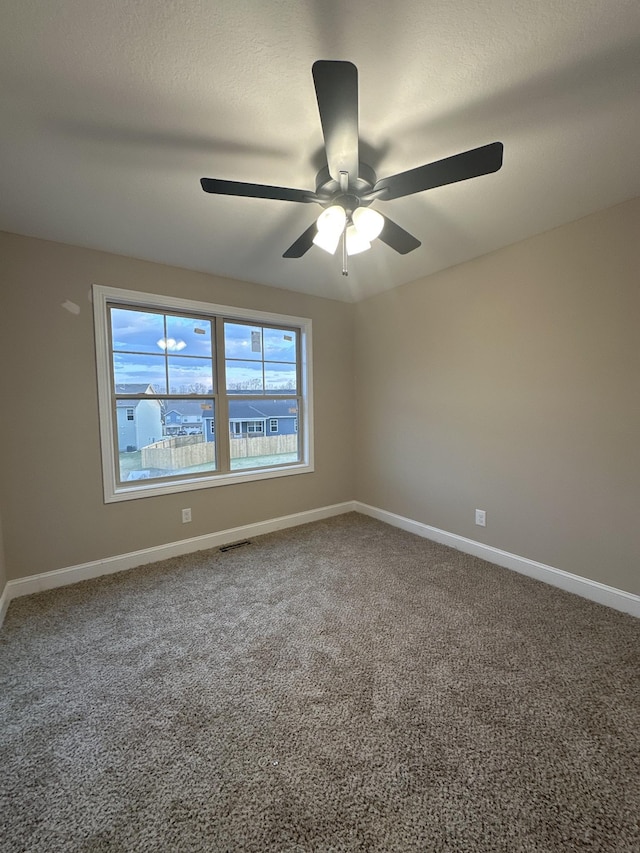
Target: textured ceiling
x=112 y=111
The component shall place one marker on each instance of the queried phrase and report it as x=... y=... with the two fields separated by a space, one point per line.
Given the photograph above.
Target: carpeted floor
x=342 y=686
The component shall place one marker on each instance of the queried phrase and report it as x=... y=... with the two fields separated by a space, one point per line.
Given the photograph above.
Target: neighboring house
x=186 y=417
x=139 y=422
x=262 y=417
x=246 y=419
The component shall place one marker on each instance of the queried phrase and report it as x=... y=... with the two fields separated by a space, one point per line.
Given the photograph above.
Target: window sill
x=142 y=490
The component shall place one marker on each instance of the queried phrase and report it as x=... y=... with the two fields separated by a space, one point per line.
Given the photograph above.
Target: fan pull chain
x=345 y=269
x=344 y=186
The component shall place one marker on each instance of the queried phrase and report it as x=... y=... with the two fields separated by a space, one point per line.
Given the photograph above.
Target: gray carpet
x=342 y=686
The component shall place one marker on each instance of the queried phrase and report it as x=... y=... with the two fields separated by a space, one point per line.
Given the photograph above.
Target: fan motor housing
x=330 y=192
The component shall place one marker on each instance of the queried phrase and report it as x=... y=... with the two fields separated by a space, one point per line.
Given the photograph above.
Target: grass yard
x=133 y=462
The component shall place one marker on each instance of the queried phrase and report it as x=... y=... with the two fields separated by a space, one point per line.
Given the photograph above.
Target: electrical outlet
x=481 y=518
x=186 y=515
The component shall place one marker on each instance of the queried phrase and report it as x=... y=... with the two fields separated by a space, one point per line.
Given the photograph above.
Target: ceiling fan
x=346 y=187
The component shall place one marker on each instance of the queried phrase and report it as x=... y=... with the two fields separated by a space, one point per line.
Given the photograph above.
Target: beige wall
x=512 y=384
x=3 y=572
x=51 y=498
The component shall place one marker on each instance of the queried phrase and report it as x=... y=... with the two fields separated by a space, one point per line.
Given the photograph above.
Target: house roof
x=251 y=409
x=248 y=409
x=188 y=408
x=134 y=388
x=131 y=103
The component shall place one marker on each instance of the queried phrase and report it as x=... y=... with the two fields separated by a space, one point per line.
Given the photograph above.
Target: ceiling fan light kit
x=346 y=187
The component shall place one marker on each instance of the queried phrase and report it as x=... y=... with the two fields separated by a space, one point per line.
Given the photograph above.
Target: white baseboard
x=122 y=562
x=4 y=603
x=618 y=599
x=610 y=596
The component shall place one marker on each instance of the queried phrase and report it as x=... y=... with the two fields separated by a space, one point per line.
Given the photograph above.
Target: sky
x=149 y=346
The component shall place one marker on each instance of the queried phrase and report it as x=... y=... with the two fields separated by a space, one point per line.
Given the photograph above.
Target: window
x=182 y=366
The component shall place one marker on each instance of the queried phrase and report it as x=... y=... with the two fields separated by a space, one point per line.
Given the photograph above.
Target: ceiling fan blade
x=337 y=94
x=460 y=167
x=218 y=187
x=396 y=237
x=303 y=243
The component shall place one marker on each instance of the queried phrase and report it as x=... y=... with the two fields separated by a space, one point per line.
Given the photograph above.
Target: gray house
x=247 y=418
x=262 y=417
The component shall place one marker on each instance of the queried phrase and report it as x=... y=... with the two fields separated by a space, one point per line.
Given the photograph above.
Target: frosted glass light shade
x=327 y=240
x=369 y=223
x=356 y=243
x=330 y=224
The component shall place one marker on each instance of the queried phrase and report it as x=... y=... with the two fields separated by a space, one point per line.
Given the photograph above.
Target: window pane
x=280 y=377
x=136 y=331
x=244 y=376
x=190 y=375
x=134 y=373
x=165 y=438
x=254 y=442
x=242 y=341
x=279 y=345
x=189 y=336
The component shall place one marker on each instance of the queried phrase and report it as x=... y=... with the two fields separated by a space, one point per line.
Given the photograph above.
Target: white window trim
x=114 y=491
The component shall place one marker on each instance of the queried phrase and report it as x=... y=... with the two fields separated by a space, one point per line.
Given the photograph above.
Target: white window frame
x=114 y=491
x=273 y=428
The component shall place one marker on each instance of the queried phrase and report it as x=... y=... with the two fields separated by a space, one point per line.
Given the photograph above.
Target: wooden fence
x=186 y=451
x=263 y=445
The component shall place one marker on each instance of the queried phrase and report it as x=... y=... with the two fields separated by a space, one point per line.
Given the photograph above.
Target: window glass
x=244 y=377
x=258 y=449
x=242 y=342
x=260 y=359
x=280 y=377
x=136 y=331
x=189 y=335
x=280 y=345
x=169 y=438
x=133 y=373
x=190 y=375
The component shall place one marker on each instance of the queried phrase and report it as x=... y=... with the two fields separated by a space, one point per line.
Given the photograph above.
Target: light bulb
x=369 y=223
x=356 y=243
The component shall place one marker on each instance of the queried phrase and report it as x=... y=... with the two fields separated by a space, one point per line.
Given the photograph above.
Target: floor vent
x=235 y=545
